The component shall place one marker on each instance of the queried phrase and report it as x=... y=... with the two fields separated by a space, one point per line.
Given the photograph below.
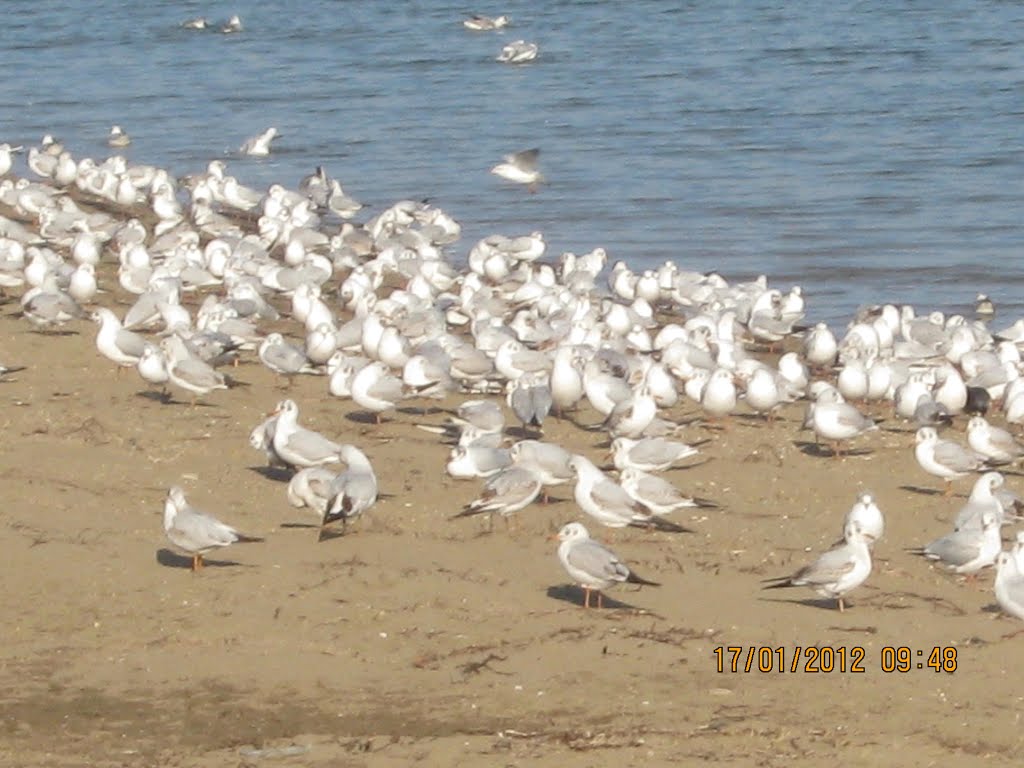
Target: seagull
x=189 y=372
x=944 y=458
x=529 y=398
x=262 y=439
x=837 y=572
x=115 y=343
x=967 y=550
x=485 y=415
x=152 y=367
x=996 y=444
x=984 y=308
x=868 y=516
x=983 y=499
x=658 y=494
x=283 y=358
x=6 y=159
x=259 y=146
x=234 y=24
x=311 y=487
x=591 y=565
x=479 y=23
x=518 y=52
x=521 y=168
x=376 y=389
x=5 y=369
x=353 y=491
x=835 y=422
x=719 y=396
x=195 y=532
x=298 y=446
x=47 y=306
x=117 y=137
x=506 y=492
x=820 y=347
x=1009 y=586
x=608 y=502
x=550 y=462
x=648 y=454
x=473 y=460
x=199 y=22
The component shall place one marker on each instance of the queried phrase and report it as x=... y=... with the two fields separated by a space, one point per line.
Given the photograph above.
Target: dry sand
x=421 y=638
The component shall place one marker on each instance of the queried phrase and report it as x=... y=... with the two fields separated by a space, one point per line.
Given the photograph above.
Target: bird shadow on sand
x=364 y=417
x=163 y=398
x=415 y=410
x=330 y=534
x=168 y=399
x=50 y=331
x=170 y=559
x=522 y=433
x=821 y=603
x=304 y=526
x=921 y=490
x=821 y=451
x=569 y=593
x=277 y=474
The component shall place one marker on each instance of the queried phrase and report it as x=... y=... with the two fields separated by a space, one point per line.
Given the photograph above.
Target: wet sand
x=421 y=638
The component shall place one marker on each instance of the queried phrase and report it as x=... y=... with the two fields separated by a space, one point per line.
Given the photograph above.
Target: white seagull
x=591 y=565
x=195 y=532
x=837 y=572
x=259 y=146
x=521 y=168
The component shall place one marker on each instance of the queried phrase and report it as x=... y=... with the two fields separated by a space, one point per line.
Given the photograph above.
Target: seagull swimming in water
x=479 y=23
x=518 y=52
x=259 y=146
x=117 y=137
x=520 y=167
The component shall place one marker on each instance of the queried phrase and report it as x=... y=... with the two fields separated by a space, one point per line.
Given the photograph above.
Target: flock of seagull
x=379 y=310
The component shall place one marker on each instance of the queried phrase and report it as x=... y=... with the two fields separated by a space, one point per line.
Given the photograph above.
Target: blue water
x=869 y=151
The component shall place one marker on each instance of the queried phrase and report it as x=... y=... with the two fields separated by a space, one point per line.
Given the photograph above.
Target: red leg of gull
x=586 y=597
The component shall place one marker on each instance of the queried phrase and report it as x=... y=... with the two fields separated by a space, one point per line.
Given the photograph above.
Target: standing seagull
x=506 y=492
x=352 y=492
x=591 y=565
x=994 y=443
x=1009 y=586
x=114 y=342
x=520 y=167
x=967 y=550
x=609 y=503
x=195 y=532
x=868 y=516
x=297 y=446
x=944 y=458
x=835 y=422
x=838 y=571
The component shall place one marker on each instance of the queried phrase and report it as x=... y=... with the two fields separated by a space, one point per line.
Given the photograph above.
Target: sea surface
x=867 y=151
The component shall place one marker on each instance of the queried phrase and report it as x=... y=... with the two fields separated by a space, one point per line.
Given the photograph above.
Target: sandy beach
x=421 y=638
